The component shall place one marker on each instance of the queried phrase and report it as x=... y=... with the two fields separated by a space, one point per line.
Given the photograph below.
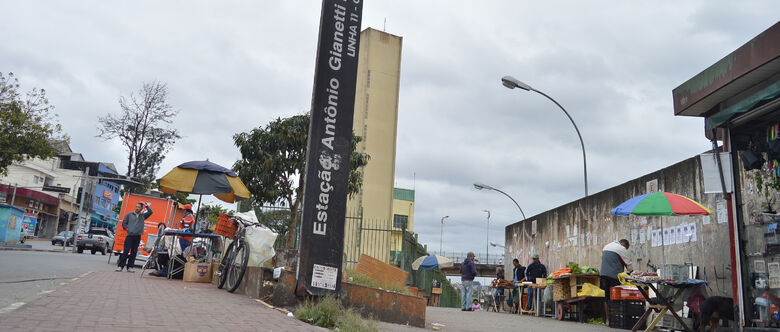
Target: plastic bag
x=261 y=244
x=589 y=289
x=622 y=278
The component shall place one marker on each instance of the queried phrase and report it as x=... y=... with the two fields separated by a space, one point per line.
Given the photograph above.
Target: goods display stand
x=566 y=287
x=666 y=305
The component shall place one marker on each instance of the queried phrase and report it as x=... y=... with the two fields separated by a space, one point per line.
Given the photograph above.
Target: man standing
x=517 y=277
x=467 y=273
x=534 y=270
x=133 y=223
x=614 y=258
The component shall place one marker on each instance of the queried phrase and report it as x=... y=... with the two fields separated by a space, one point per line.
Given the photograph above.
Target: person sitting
x=162 y=254
x=476 y=306
x=187 y=224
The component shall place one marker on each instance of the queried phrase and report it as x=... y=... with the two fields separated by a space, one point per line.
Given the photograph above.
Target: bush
x=329 y=313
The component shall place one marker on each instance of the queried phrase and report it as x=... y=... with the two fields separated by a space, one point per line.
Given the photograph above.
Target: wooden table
x=497 y=305
x=538 y=295
x=666 y=304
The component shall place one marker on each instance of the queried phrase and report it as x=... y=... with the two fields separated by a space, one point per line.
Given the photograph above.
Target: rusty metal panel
x=760 y=50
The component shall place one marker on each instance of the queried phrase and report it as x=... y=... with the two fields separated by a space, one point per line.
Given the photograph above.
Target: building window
x=400 y=221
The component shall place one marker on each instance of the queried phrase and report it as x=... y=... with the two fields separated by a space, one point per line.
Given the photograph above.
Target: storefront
x=40 y=209
x=739 y=98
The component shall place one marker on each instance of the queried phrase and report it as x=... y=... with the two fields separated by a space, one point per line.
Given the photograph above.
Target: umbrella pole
x=663 y=250
x=200 y=197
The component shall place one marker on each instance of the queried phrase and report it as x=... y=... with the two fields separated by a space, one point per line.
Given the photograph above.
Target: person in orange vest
x=187 y=224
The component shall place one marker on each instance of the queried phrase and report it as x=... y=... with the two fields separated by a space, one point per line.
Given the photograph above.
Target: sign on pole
x=329 y=147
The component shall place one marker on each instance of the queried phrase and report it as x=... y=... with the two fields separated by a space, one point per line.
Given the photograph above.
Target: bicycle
x=233 y=265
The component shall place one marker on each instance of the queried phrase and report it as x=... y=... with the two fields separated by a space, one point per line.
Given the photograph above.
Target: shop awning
x=763 y=95
x=29 y=193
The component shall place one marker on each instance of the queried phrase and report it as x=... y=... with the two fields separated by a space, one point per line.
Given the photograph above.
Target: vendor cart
x=565 y=289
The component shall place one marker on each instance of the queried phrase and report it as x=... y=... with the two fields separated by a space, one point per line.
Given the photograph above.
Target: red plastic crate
x=226 y=226
x=620 y=293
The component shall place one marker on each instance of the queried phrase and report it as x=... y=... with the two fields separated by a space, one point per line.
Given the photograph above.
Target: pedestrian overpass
x=483 y=270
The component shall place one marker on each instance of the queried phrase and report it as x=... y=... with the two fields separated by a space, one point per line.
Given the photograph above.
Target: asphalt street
x=27 y=275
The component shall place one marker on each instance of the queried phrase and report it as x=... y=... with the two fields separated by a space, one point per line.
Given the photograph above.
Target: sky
x=231 y=66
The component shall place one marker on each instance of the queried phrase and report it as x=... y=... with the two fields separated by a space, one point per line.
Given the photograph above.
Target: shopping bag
x=589 y=289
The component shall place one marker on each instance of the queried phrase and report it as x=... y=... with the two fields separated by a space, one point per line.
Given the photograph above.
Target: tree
x=272 y=165
x=142 y=127
x=28 y=124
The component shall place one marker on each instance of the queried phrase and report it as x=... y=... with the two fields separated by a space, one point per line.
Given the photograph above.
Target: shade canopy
x=431 y=262
x=660 y=204
x=204 y=178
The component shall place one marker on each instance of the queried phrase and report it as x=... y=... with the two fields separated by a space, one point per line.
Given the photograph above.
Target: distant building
x=376 y=121
x=403 y=219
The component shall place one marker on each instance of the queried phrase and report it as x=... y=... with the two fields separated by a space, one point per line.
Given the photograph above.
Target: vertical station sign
x=329 y=147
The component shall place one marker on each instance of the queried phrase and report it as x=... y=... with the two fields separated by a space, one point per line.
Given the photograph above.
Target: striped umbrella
x=204 y=178
x=431 y=262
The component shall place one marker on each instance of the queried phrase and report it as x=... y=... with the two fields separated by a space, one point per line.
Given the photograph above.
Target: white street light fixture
x=511 y=83
x=442 y=232
x=481 y=186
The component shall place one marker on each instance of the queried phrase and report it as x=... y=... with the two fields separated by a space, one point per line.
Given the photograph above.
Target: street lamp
x=511 y=83
x=442 y=232
x=481 y=186
x=487 y=238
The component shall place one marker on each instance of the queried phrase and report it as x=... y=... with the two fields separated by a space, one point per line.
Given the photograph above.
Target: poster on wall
x=642 y=235
x=774 y=269
x=29 y=221
x=533 y=227
x=759 y=266
x=723 y=216
x=774 y=282
x=680 y=231
x=692 y=229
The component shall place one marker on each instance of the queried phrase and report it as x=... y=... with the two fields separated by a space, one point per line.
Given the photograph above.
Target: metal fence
x=458 y=257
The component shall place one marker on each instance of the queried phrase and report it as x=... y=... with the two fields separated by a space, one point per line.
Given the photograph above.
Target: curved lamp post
x=442 y=232
x=481 y=186
x=511 y=83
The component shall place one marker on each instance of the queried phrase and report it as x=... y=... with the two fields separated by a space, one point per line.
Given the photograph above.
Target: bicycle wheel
x=223 y=265
x=237 y=267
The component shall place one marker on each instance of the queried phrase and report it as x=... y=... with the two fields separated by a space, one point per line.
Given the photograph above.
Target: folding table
x=665 y=304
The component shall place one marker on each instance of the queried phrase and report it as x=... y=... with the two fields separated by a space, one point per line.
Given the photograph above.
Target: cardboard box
x=435 y=290
x=197 y=272
x=541 y=281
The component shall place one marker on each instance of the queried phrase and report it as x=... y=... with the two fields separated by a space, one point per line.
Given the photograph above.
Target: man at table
x=517 y=277
x=468 y=271
x=614 y=259
x=133 y=223
x=534 y=270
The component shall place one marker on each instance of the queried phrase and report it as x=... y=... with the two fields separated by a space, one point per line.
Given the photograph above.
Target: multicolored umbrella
x=204 y=178
x=431 y=262
x=660 y=204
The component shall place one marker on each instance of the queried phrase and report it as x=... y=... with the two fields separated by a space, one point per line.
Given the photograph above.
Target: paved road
x=26 y=275
x=121 y=301
x=456 y=320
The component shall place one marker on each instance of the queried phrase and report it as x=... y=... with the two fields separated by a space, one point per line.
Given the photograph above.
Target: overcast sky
x=234 y=65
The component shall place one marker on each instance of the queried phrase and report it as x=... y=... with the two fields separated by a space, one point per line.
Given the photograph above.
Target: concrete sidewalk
x=121 y=301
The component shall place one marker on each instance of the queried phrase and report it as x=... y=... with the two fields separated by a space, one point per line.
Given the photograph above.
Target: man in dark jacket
x=534 y=270
x=133 y=223
x=467 y=273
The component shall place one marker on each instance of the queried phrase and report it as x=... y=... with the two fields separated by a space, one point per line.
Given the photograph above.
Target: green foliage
x=212 y=212
x=328 y=312
x=142 y=127
x=766 y=191
x=363 y=280
x=272 y=165
x=597 y=320
x=28 y=125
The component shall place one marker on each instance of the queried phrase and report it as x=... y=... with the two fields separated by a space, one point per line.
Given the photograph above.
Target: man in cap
x=614 y=259
x=534 y=270
x=133 y=223
x=468 y=271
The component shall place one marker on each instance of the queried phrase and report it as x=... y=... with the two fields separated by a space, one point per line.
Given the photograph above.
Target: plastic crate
x=620 y=293
x=226 y=226
x=619 y=321
x=632 y=308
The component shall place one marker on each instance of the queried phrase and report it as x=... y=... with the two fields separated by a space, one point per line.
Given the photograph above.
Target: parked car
x=60 y=238
x=96 y=239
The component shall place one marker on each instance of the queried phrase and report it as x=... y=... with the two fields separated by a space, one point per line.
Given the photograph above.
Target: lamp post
x=442 y=232
x=481 y=186
x=511 y=83
x=493 y=244
x=487 y=238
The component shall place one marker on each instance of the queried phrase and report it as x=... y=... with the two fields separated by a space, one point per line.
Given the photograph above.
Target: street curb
x=31 y=249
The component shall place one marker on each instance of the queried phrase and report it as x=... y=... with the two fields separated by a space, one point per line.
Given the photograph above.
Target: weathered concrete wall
x=579 y=230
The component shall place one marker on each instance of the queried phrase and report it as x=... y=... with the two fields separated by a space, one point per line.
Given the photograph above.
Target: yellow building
x=403 y=219
x=376 y=121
